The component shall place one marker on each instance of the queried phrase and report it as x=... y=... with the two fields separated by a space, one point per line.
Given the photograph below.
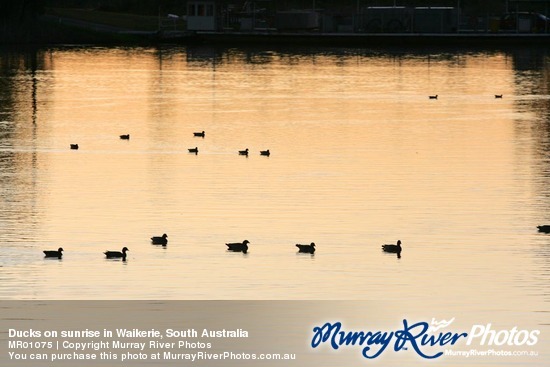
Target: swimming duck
x=194 y=150
x=238 y=246
x=544 y=228
x=392 y=248
x=308 y=249
x=265 y=152
x=74 y=146
x=54 y=253
x=244 y=152
x=125 y=137
x=433 y=97
x=117 y=254
x=498 y=95
x=163 y=240
x=201 y=134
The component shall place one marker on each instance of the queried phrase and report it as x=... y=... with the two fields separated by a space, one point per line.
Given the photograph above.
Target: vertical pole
x=517 y=18
x=457 y=16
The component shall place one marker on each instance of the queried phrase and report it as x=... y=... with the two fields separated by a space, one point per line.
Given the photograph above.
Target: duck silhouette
x=544 y=228
x=243 y=152
x=308 y=249
x=498 y=95
x=265 y=152
x=117 y=254
x=238 y=246
x=54 y=253
x=396 y=249
x=162 y=240
x=125 y=137
x=434 y=96
x=194 y=150
x=201 y=134
x=74 y=146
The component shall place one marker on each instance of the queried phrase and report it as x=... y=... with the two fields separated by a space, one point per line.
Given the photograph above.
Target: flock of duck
x=239 y=246
x=195 y=150
x=233 y=247
x=242 y=247
x=202 y=134
x=163 y=240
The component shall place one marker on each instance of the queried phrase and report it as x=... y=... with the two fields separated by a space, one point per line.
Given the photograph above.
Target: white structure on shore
x=201 y=15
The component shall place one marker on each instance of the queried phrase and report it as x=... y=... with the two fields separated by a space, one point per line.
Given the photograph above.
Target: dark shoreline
x=61 y=31
x=374 y=39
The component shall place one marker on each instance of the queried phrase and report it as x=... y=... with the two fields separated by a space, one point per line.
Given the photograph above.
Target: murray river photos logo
x=428 y=340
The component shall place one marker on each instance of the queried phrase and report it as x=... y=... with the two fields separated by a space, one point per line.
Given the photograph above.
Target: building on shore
x=412 y=17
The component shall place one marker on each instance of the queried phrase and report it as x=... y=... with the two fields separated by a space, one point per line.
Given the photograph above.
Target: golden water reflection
x=360 y=157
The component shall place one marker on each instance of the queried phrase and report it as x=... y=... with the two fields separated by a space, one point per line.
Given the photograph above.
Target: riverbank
x=376 y=39
x=79 y=26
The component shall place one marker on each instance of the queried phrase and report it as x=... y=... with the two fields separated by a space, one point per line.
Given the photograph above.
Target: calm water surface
x=360 y=157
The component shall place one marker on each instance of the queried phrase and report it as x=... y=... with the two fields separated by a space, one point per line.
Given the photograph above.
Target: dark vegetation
x=129 y=21
x=37 y=21
x=152 y=7
x=141 y=7
x=19 y=18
